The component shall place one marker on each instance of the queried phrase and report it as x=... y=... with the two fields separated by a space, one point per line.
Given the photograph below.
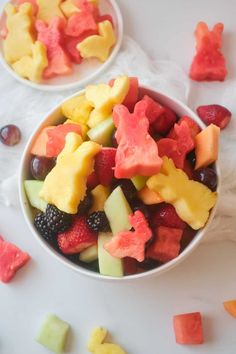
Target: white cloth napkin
x=26 y=107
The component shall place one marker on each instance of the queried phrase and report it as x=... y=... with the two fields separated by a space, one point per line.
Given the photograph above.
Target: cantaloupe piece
x=206 y=146
x=149 y=197
x=230 y=307
x=40 y=144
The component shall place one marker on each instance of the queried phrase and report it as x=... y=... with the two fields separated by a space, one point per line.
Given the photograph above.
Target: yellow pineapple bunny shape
x=49 y=9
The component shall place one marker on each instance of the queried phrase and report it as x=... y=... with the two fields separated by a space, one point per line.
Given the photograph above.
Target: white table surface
x=138 y=314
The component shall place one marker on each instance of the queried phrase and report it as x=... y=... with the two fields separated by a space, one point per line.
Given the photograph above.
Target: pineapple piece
x=97 y=346
x=192 y=200
x=65 y=185
x=77 y=109
x=100 y=195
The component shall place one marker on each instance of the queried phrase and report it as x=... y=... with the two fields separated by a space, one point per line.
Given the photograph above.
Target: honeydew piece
x=32 y=189
x=89 y=255
x=139 y=182
x=108 y=265
x=102 y=132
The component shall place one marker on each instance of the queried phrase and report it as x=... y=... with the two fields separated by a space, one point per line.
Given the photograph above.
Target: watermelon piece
x=164 y=122
x=104 y=165
x=92 y=180
x=132 y=95
x=166 y=245
x=137 y=152
x=188 y=328
x=80 y=24
x=39 y=147
x=105 y=17
x=131 y=243
x=51 y=36
x=56 y=138
x=154 y=110
x=193 y=126
x=184 y=138
x=209 y=63
x=11 y=260
x=70 y=44
x=169 y=147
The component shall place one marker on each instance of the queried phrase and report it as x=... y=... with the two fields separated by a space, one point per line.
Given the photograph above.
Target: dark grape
x=138 y=205
x=10 y=135
x=127 y=187
x=206 y=176
x=85 y=204
x=114 y=141
x=149 y=264
x=40 y=167
x=191 y=157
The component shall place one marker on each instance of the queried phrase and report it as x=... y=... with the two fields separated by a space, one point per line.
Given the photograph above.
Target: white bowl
x=83 y=73
x=54 y=117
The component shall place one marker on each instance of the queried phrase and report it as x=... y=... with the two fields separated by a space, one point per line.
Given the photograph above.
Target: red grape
x=10 y=135
x=206 y=176
x=40 y=166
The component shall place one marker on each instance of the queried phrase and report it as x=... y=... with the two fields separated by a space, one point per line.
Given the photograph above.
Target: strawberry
x=214 y=114
x=77 y=238
x=165 y=215
x=165 y=121
x=104 y=165
x=92 y=180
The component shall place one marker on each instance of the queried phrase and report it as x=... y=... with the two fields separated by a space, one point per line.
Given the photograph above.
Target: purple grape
x=191 y=157
x=40 y=166
x=138 y=205
x=127 y=187
x=149 y=264
x=10 y=135
x=206 y=176
x=85 y=204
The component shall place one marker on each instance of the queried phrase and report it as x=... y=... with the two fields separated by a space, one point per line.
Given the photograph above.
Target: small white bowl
x=83 y=73
x=54 y=117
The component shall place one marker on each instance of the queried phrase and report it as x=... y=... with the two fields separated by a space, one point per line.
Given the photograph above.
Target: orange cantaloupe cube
x=39 y=146
x=230 y=307
x=206 y=146
x=149 y=197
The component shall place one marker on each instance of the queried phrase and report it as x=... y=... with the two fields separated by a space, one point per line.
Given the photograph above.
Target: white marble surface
x=139 y=314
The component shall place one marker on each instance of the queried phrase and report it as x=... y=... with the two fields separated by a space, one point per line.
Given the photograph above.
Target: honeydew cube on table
x=108 y=265
x=32 y=189
x=53 y=334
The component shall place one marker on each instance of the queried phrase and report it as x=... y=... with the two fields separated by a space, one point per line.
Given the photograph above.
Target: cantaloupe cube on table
x=206 y=146
x=188 y=328
x=53 y=334
x=230 y=307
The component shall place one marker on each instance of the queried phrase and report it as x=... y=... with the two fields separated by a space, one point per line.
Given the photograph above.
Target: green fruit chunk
x=53 y=334
x=102 y=132
x=32 y=189
x=117 y=210
x=89 y=255
x=108 y=265
x=139 y=182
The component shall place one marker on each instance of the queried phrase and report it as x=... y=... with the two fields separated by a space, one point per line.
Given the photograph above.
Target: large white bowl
x=83 y=73
x=54 y=117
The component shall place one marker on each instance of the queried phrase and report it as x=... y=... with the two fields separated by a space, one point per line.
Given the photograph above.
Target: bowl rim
x=95 y=275
x=79 y=83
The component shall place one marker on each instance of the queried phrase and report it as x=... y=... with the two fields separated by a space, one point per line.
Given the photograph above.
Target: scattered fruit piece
x=206 y=146
x=131 y=243
x=188 y=328
x=11 y=260
x=98 y=221
x=10 y=135
x=104 y=165
x=165 y=215
x=89 y=255
x=149 y=197
x=102 y=133
x=230 y=307
x=206 y=176
x=53 y=334
x=96 y=345
x=32 y=189
x=108 y=265
x=100 y=195
x=40 y=166
x=215 y=114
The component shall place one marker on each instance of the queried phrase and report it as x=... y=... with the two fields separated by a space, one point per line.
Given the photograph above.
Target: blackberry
x=98 y=221
x=57 y=220
x=85 y=205
x=41 y=225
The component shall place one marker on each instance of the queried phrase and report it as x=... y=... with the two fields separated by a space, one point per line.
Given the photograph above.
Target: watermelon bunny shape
x=52 y=36
x=48 y=9
x=19 y=25
x=137 y=152
x=208 y=63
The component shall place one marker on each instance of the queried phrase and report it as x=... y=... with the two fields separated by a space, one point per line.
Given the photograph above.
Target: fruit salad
x=43 y=39
x=121 y=184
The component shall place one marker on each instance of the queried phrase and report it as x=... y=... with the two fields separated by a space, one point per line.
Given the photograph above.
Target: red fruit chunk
x=188 y=169
x=77 y=238
x=105 y=17
x=214 y=114
x=154 y=110
x=32 y=2
x=208 y=63
x=166 y=246
x=92 y=181
x=130 y=266
x=165 y=121
x=132 y=95
x=104 y=165
x=52 y=37
x=137 y=152
x=86 y=6
x=80 y=23
x=11 y=260
x=56 y=138
x=70 y=47
x=131 y=243
x=184 y=138
x=188 y=328
x=193 y=126
x=165 y=215
x=169 y=147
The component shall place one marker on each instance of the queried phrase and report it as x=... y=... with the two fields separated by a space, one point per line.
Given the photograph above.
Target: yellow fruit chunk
x=97 y=346
x=104 y=97
x=108 y=348
x=77 y=109
x=65 y=185
x=192 y=200
x=207 y=146
x=100 y=195
x=230 y=307
x=19 y=39
x=31 y=67
x=49 y=9
x=84 y=127
x=98 y=46
x=69 y=8
x=149 y=197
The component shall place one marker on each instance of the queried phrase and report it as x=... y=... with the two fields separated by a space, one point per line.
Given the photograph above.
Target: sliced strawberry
x=165 y=215
x=154 y=109
x=214 y=114
x=131 y=243
x=169 y=147
x=77 y=238
x=80 y=24
x=166 y=245
x=11 y=260
x=193 y=126
x=92 y=181
x=165 y=121
x=104 y=165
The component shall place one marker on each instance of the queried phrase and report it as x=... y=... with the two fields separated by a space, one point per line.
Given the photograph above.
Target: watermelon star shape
x=192 y=200
x=98 y=46
x=103 y=98
x=131 y=243
x=48 y=9
x=65 y=185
